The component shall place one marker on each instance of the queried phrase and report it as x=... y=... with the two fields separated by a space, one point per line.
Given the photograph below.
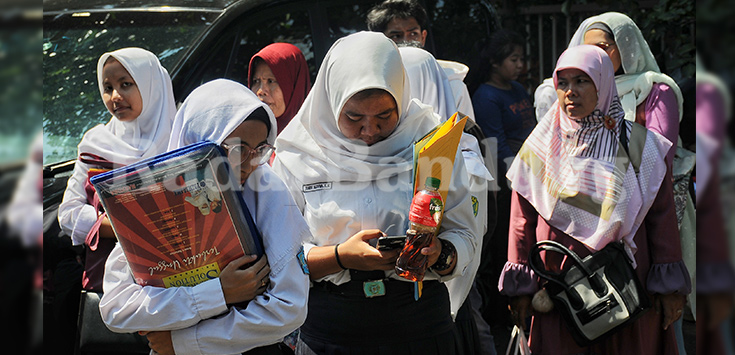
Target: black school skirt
x=341 y=320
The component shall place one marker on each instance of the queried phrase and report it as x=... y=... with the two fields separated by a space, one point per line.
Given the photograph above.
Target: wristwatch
x=446 y=257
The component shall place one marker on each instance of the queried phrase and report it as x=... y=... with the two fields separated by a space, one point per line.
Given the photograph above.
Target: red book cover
x=178 y=217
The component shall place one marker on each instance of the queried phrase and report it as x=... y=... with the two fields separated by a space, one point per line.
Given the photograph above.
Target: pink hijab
x=576 y=173
x=289 y=66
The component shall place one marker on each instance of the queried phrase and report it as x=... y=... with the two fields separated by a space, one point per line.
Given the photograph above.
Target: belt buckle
x=373 y=288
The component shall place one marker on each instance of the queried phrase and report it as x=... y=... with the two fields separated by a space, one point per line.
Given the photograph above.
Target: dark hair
x=364 y=94
x=495 y=50
x=261 y=115
x=380 y=15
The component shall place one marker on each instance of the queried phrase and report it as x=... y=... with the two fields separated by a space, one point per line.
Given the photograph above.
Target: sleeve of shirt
x=127 y=307
x=543 y=98
x=76 y=216
x=298 y=196
x=668 y=273
x=459 y=219
x=270 y=316
x=266 y=319
x=489 y=118
x=517 y=278
x=662 y=115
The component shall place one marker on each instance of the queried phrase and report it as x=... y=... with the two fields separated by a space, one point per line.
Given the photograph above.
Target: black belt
x=368 y=284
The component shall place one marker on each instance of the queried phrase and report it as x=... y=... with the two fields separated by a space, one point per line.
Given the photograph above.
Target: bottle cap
x=433 y=182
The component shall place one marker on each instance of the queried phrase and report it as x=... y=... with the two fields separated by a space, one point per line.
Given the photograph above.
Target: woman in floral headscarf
x=586 y=177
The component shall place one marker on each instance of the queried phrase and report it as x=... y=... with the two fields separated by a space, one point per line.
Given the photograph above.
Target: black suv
x=197 y=41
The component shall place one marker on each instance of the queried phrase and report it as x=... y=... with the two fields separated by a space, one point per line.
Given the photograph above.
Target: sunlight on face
x=369 y=116
x=576 y=92
x=250 y=132
x=601 y=39
x=405 y=30
x=121 y=95
x=265 y=85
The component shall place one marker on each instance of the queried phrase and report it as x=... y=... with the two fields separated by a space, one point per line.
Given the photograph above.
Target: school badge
x=302 y=260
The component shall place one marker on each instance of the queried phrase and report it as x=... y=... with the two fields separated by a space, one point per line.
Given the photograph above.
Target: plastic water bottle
x=424 y=217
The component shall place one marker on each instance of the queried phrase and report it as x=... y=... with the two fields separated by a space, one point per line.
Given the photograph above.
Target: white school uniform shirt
x=439 y=84
x=336 y=210
x=342 y=185
x=121 y=142
x=199 y=320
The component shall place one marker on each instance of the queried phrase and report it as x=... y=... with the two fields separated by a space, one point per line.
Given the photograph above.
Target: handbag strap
x=96 y=160
x=93 y=237
x=537 y=265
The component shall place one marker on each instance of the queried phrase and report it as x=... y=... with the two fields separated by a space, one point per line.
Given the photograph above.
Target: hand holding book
x=179 y=216
x=242 y=285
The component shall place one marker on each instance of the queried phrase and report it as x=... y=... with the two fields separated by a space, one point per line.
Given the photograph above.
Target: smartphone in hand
x=391 y=242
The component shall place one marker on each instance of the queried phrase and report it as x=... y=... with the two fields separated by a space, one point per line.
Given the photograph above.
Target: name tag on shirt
x=319 y=186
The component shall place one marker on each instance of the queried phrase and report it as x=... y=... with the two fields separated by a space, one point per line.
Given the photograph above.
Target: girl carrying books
x=202 y=319
x=137 y=91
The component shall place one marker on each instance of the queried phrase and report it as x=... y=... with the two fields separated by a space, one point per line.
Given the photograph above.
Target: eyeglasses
x=239 y=153
x=604 y=45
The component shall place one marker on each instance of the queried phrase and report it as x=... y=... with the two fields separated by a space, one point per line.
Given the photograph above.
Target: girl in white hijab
x=347 y=159
x=137 y=91
x=202 y=319
x=431 y=86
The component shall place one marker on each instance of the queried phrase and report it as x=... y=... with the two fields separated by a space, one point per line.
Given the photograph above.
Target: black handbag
x=94 y=337
x=596 y=296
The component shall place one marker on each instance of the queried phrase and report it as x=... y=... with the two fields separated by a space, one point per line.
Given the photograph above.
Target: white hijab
x=428 y=81
x=127 y=142
x=431 y=86
x=213 y=110
x=313 y=147
x=639 y=64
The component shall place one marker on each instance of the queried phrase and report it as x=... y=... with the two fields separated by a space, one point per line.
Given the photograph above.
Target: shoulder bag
x=596 y=296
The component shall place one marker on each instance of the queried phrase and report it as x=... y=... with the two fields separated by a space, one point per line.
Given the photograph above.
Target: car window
x=230 y=55
x=446 y=20
x=345 y=20
x=471 y=19
x=72 y=43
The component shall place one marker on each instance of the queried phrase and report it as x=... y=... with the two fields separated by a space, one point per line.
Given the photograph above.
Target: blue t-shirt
x=506 y=115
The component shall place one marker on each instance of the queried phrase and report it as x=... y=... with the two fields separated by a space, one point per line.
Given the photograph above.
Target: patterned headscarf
x=576 y=173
